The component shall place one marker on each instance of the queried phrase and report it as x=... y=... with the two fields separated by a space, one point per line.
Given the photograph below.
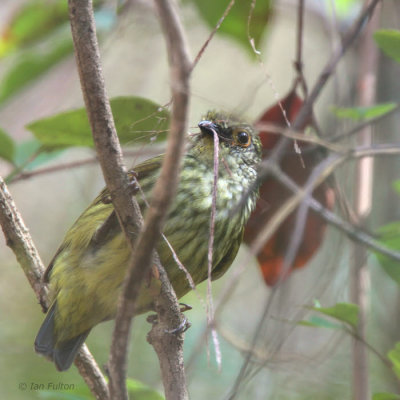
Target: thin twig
x=346 y=135
x=321 y=172
x=325 y=169
x=210 y=304
x=20 y=242
x=291 y=134
x=298 y=64
x=23 y=175
x=213 y=32
x=306 y=109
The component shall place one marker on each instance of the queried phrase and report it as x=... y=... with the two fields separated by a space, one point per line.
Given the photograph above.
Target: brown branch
x=100 y=117
x=91 y=373
x=20 y=242
x=168 y=346
x=107 y=145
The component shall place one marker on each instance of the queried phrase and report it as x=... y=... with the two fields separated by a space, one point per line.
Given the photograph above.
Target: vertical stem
x=362 y=205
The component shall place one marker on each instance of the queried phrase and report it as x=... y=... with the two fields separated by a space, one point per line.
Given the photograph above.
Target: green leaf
x=345 y=312
x=385 y=396
x=390 y=237
x=388 y=41
x=235 y=24
x=318 y=322
x=394 y=357
x=30 y=66
x=32 y=21
x=7 y=147
x=136 y=120
x=364 y=113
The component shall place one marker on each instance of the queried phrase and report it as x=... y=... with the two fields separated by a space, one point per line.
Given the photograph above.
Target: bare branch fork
x=323 y=78
x=110 y=157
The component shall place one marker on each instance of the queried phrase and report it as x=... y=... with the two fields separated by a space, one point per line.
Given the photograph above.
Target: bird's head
x=238 y=141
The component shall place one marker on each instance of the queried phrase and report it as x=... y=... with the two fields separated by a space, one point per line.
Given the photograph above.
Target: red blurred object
x=273 y=194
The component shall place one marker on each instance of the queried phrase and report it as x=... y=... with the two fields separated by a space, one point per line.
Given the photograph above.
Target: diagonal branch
x=100 y=117
x=320 y=174
x=110 y=157
x=168 y=347
x=20 y=242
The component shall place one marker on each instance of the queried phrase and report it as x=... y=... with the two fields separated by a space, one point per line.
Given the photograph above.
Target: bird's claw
x=133 y=187
x=185 y=307
x=133 y=183
x=183 y=327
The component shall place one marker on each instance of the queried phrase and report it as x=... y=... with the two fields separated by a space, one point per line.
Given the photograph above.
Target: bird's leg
x=133 y=187
x=183 y=326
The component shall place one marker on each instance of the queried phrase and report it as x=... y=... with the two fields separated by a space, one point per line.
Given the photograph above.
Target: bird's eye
x=243 y=139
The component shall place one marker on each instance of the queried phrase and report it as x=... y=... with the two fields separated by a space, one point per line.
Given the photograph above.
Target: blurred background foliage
x=43 y=125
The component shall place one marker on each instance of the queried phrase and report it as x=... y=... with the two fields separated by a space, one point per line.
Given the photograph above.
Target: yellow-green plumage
x=87 y=271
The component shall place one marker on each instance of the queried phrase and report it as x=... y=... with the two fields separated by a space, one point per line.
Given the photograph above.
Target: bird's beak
x=208 y=127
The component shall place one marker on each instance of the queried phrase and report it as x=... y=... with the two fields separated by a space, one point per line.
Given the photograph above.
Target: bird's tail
x=62 y=353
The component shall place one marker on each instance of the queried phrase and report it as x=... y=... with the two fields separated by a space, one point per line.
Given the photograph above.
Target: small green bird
x=87 y=271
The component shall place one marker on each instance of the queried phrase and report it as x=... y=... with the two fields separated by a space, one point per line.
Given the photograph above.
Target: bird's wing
x=99 y=221
x=227 y=260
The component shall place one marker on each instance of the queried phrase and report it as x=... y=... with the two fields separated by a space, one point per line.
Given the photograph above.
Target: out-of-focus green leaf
x=318 y=322
x=31 y=22
x=30 y=66
x=385 y=396
x=317 y=303
x=31 y=154
x=345 y=7
x=388 y=41
x=235 y=24
x=345 y=312
x=7 y=147
x=390 y=237
x=394 y=357
x=69 y=392
x=59 y=395
x=396 y=186
x=139 y=391
x=137 y=120
x=136 y=391
x=364 y=113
